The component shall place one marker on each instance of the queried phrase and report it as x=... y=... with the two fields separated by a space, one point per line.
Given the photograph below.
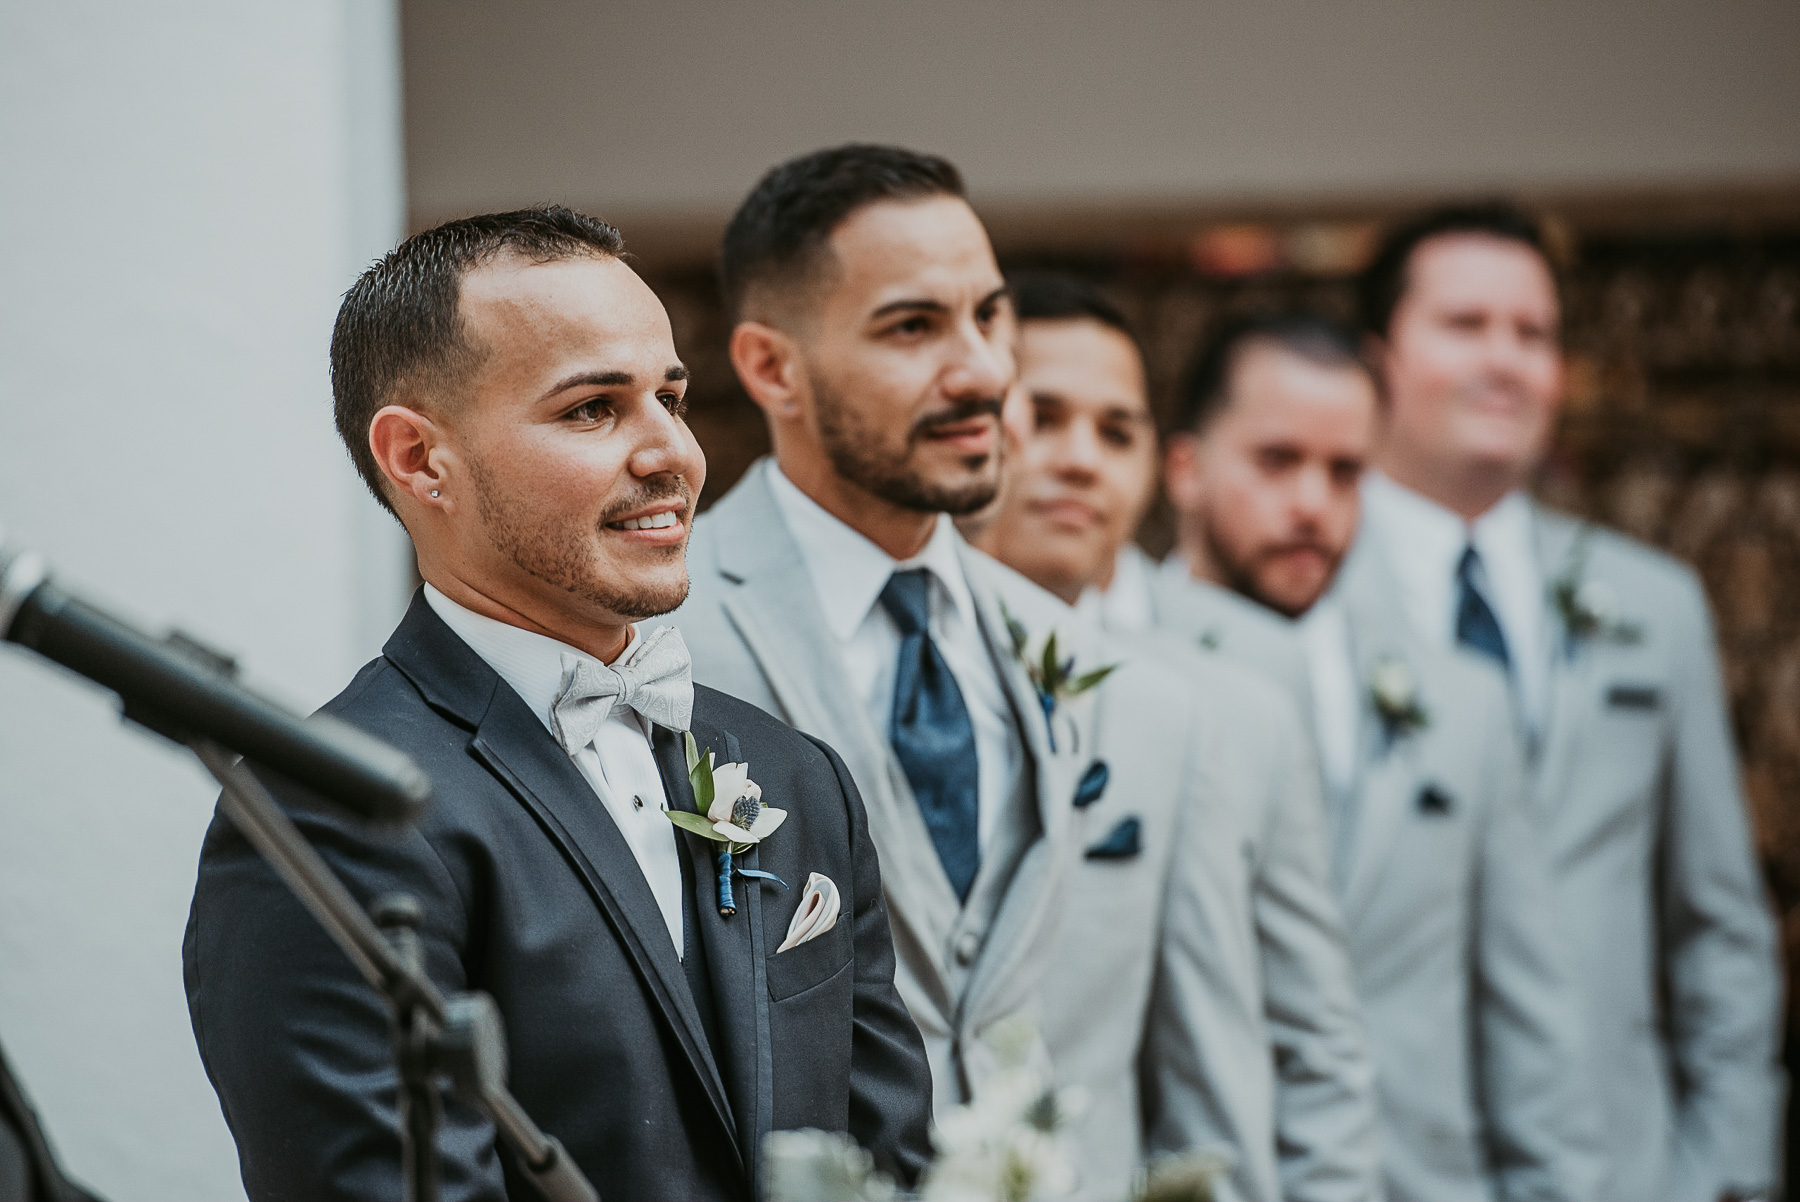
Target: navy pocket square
x=1634 y=697
x=1125 y=841
x=1434 y=801
x=1092 y=785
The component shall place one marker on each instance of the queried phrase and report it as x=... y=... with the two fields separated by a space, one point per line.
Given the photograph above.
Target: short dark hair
x=400 y=322
x=1383 y=281
x=1206 y=389
x=778 y=233
x=1053 y=296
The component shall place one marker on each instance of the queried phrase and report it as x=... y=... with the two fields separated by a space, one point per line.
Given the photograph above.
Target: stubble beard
x=1239 y=573
x=563 y=556
x=860 y=454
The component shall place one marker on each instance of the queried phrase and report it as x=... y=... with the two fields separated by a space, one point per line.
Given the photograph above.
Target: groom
x=509 y=389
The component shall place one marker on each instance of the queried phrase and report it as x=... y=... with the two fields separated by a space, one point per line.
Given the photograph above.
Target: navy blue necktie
x=1477 y=627
x=931 y=732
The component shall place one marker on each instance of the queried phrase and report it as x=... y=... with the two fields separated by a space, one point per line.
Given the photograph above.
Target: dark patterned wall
x=1682 y=425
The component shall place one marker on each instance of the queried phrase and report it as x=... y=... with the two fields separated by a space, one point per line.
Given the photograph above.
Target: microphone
x=185 y=691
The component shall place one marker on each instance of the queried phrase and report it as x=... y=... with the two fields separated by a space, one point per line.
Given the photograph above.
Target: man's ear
x=1182 y=471
x=767 y=363
x=409 y=448
x=1375 y=358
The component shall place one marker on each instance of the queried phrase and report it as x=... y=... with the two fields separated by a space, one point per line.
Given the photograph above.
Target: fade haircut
x=1207 y=389
x=1052 y=296
x=777 y=239
x=1383 y=282
x=400 y=326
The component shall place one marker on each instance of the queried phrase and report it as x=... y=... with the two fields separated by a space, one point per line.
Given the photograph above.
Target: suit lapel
x=733 y=949
x=1565 y=716
x=1030 y=895
x=1387 y=766
x=512 y=744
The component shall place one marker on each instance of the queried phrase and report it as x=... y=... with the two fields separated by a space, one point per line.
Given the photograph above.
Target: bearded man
x=831 y=587
x=509 y=390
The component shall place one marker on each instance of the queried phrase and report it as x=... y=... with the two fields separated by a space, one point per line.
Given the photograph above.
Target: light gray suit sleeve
x=1326 y=1126
x=1543 y=1127
x=1720 y=959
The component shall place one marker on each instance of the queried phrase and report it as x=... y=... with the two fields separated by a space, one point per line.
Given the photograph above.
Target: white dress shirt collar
x=530 y=662
x=849 y=571
x=1125 y=603
x=1422 y=543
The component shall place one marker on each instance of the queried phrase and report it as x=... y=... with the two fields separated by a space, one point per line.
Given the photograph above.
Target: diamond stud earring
x=434 y=492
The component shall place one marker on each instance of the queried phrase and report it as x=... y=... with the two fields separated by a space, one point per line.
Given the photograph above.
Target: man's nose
x=664 y=445
x=1311 y=494
x=1078 y=450
x=981 y=366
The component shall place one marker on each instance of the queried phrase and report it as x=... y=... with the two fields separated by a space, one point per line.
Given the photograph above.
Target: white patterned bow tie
x=657 y=682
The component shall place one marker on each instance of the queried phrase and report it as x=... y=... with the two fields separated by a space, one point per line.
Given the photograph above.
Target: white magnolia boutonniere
x=1589 y=608
x=1395 y=696
x=1053 y=676
x=731 y=812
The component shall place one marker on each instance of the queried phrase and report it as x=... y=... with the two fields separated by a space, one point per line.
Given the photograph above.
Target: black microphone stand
x=459 y=1038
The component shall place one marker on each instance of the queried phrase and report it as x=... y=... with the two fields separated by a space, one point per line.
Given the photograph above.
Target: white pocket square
x=817 y=914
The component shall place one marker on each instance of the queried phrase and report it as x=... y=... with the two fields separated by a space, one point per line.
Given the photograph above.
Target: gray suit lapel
x=1388 y=767
x=1030 y=892
x=1565 y=717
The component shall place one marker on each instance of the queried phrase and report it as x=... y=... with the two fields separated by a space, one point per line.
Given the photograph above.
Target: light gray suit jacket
x=1458 y=944
x=1445 y=887
x=1316 y=1133
x=1638 y=786
x=1157 y=866
x=753 y=624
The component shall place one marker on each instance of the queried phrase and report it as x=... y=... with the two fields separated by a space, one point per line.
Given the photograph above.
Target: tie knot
x=907 y=598
x=1468 y=568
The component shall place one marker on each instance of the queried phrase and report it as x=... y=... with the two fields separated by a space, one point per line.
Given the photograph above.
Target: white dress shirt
x=1422 y=543
x=619 y=764
x=1125 y=604
x=1336 y=694
x=848 y=573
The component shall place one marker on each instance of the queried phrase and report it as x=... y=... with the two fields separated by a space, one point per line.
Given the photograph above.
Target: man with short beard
x=831 y=587
x=509 y=390
x=1439 y=868
x=1608 y=650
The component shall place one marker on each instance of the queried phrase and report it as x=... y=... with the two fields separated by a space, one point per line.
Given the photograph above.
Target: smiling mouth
x=654 y=521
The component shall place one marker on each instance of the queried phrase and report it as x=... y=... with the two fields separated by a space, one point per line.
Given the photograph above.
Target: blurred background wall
x=187 y=189
x=191 y=186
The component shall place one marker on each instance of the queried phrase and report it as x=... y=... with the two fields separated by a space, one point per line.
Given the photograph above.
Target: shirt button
x=967 y=945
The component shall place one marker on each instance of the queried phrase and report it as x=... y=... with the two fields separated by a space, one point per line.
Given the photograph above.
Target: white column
x=188 y=189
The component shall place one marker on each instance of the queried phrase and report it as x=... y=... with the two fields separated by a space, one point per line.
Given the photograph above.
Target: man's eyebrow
x=911 y=304
x=592 y=379
x=675 y=372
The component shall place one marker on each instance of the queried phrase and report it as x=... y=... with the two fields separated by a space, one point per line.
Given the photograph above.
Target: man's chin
x=639 y=596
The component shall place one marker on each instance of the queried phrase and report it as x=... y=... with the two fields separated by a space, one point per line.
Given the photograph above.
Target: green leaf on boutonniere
x=699 y=824
x=700 y=775
x=1088 y=680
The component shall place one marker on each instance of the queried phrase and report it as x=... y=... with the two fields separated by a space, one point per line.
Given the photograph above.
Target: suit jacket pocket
x=812 y=963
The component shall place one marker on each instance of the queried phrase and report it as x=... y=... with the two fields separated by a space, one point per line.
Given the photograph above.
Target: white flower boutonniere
x=732 y=813
x=1589 y=608
x=1395 y=696
x=1053 y=676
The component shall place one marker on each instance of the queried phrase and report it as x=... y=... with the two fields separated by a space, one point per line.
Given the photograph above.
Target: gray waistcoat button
x=968 y=944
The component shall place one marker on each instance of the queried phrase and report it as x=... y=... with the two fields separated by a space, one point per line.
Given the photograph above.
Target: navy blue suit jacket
x=531 y=894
